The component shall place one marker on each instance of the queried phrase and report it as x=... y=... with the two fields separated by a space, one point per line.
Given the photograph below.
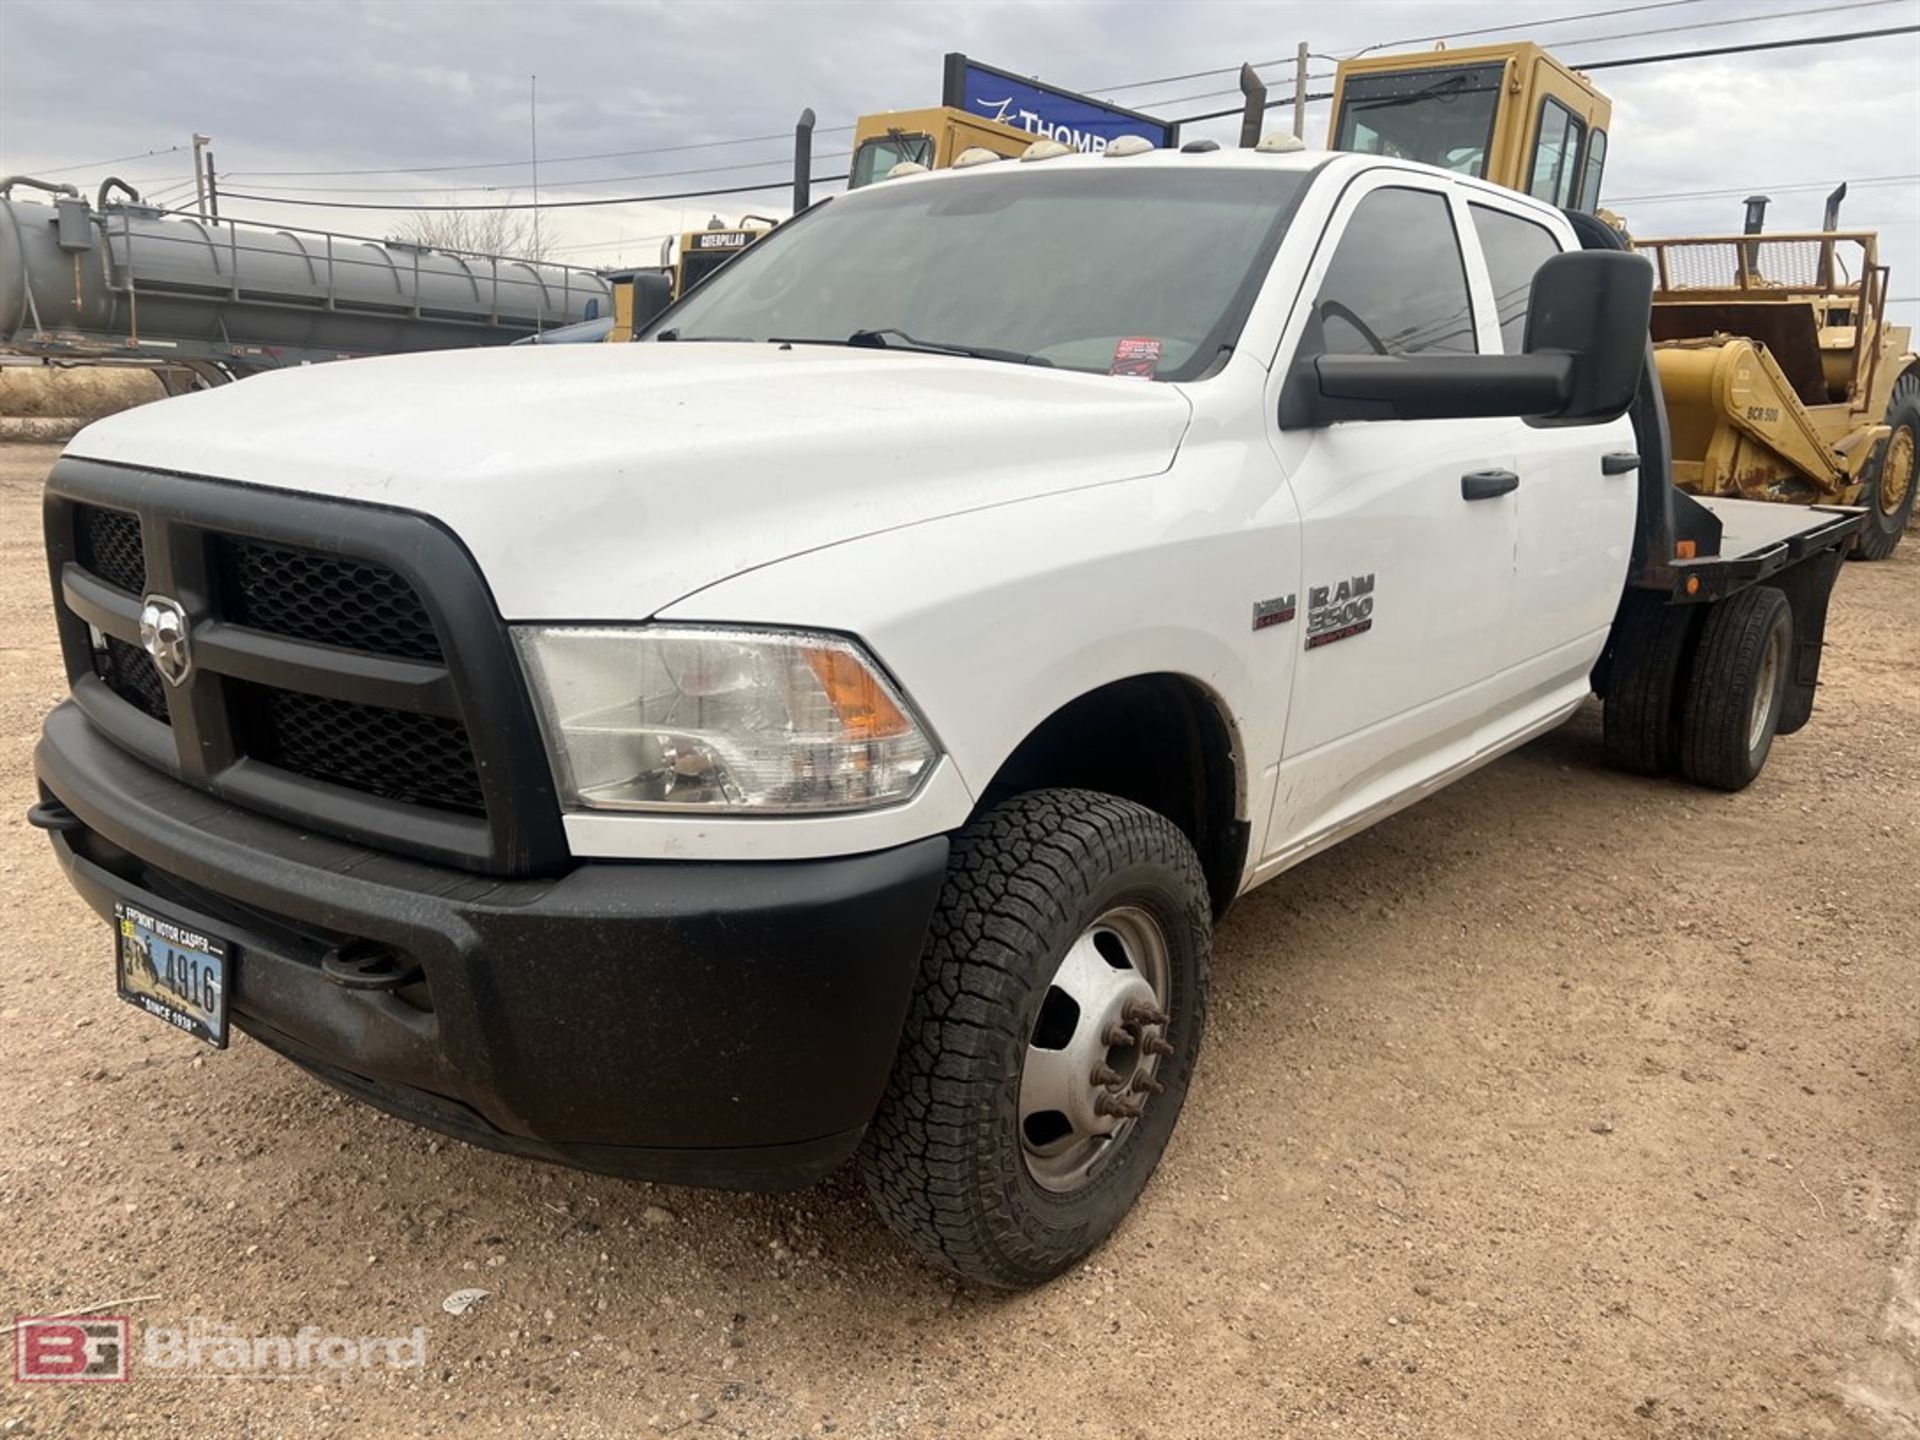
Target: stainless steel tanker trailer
x=121 y=281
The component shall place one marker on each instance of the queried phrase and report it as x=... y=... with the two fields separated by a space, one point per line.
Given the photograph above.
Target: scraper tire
x=1889 y=498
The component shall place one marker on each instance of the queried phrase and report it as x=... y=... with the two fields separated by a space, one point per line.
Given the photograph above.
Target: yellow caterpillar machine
x=686 y=259
x=933 y=137
x=1781 y=377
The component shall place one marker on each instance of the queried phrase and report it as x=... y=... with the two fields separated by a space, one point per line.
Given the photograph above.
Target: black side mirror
x=1586 y=347
x=1594 y=306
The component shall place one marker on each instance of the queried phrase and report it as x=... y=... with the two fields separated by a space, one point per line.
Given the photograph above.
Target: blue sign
x=1044 y=111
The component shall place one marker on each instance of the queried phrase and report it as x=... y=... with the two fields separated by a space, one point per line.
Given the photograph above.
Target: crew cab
x=833 y=725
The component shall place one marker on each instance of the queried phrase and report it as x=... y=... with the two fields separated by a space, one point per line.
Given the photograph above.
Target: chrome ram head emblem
x=163 y=632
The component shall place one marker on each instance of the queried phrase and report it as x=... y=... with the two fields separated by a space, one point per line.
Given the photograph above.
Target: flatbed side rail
x=1708 y=578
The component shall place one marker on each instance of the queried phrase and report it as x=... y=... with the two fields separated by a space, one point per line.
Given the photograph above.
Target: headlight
x=670 y=718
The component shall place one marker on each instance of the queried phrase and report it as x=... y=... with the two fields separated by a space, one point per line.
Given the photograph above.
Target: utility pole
x=533 y=130
x=200 y=143
x=1300 y=92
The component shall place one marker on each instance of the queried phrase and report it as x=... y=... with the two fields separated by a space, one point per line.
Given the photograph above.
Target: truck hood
x=607 y=481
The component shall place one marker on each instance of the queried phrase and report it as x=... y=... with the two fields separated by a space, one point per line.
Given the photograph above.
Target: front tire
x=1050 y=1040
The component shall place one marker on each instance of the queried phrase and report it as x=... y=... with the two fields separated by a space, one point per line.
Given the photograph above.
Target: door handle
x=1621 y=462
x=1485 y=484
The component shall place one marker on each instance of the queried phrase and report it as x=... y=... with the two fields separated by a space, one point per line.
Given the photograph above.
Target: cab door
x=1408 y=528
x=1575 y=505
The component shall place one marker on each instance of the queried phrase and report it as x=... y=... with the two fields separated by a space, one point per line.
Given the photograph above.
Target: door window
x=1397 y=284
x=1596 y=163
x=1556 y=154
x=1515 y=248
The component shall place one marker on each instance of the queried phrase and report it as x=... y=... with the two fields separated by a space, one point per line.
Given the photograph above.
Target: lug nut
x=1105 y=1074
x=1119 y=1037
x=1157 y=1045
x=1107 y=1103
x=1146 y=1082
x=1139 y=1012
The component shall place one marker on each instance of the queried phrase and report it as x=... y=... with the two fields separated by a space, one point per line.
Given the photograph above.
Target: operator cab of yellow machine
x=1511 y=114
x=933 y=137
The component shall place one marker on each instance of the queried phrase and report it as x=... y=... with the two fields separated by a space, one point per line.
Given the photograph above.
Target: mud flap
x=1808 y=587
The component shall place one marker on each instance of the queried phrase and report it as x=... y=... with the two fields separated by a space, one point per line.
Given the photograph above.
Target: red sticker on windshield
x=1137 y=355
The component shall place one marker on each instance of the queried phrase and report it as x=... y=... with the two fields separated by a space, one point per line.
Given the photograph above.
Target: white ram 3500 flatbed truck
x=834 y=724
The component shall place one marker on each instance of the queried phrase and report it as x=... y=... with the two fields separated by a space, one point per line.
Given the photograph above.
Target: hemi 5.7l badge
x=1338 y=612
x=1277 y=611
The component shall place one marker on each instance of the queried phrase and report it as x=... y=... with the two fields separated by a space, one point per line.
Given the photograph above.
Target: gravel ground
x=1563 y=1103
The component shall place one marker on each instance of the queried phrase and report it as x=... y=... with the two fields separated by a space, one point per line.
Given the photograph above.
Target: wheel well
x=1157 y=740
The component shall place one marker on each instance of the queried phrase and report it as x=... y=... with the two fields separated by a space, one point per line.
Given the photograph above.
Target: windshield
x=1150 y=270
x=875 y=158
x=1439 y=117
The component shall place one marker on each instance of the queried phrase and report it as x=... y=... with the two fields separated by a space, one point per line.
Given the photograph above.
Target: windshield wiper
x=673 y=333
x=901 y=340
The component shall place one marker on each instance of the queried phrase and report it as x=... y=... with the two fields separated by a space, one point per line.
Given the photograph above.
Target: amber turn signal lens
x=864 y=708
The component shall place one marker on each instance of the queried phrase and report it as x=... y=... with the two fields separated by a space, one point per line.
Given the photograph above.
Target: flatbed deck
x=1757 y=539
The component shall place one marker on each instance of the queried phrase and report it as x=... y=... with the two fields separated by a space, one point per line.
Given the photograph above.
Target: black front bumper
x=705 y=1023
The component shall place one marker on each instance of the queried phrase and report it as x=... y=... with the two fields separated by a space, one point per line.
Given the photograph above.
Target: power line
x=528 y=205
x=1748 y=48
x=509 y=164
x=624 y=240
x=1414 y=40
x=1751 y=47
x=1577 y=40
x=96 y=164
x=549 y=185
x=1753 y=19
x=1211 y=94
x=1530 y=25
x=1221 y=114
x=1517 y=25
x=1781 y=188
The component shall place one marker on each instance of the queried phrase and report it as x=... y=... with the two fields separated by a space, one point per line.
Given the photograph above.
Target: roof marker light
x=1280 y=142
x=1199 y=147
x=1045 y=150
x=975 y=155
x=1125 y=145
x=905 y=167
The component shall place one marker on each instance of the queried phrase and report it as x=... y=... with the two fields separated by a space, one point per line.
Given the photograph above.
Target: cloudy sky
x=435 y=96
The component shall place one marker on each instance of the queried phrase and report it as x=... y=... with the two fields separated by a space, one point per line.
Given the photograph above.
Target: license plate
x=172 y=971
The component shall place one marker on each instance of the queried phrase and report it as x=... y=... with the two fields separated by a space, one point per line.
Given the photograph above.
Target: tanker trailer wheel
x=1891 y=481
x=1736 y=689
x=1640 y=723
x=1050 y=1040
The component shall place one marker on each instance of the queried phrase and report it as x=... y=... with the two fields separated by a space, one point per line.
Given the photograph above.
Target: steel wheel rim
x=1772 y=662
x=1896 y=471
x=1092 y=1057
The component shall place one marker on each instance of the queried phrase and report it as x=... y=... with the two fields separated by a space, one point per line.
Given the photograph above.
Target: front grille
x=323 y=598
x=108 y=544
x=395 y=754
x=300 y=613
x=130 y=675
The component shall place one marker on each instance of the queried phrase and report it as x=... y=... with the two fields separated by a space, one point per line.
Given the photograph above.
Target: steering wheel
x=1334 y=310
